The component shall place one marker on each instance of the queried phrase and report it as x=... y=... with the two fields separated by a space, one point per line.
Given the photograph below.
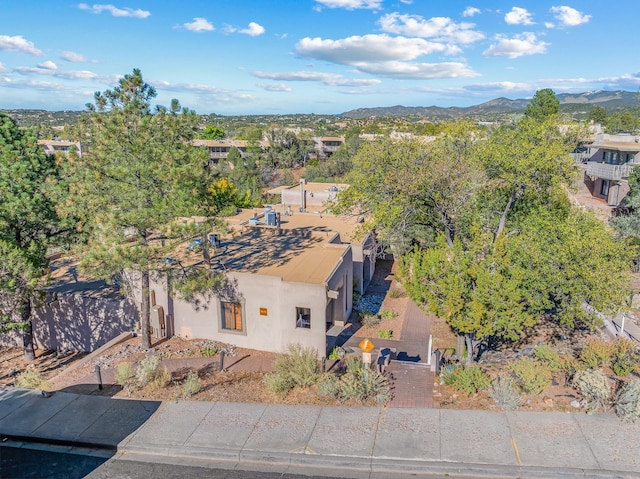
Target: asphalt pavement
x=327 y=441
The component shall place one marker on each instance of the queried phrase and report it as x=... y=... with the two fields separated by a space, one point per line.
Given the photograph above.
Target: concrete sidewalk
x=340 y=441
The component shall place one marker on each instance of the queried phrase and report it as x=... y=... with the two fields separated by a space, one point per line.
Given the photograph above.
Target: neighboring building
x=51 y=147
x=219 y=149
x=609 y=161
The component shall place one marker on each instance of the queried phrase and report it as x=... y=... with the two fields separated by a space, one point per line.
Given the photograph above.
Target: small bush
x=548 y=356
x=628 y=401
x=594 y=387
x=336 y=353
x=125 y=376
x=532 y=376
x=385 y=334
x=208 y=351
x=624 y=358
x=396 y=293
x=505 y=393
x=388 y=314
x=358 y=382
x=161 y=378
x=191 y=385
x=298 y=367
x=147 y=370
x=369 y=320
x=448 y=372
x=596 y=353
x=470 y=379
x=32 y=379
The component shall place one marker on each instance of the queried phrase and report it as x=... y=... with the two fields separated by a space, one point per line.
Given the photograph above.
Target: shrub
x=191 y=385
x=596 y=353
x=396 y=293
x=124 y=376
x=385 y=334
x=548 y=356
x=447 y=374
x=505 y=393
x=369 y=319
x=594 y=387
x=336 y=353
x=388 y=314
x=147 y=370
x=358 y=382
x=532 y=376
x=32 y=379
x=298 y=367
x=628 y=401
x=208 y=351
x=161 y=378
x=470 y=379
x=624 y=358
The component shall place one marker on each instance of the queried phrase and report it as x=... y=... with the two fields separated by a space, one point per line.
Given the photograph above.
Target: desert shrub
x=358 y=382
x=628 y=401
x=447 y=373
x=369 y=320
x=298 y=367
x=147 y=370
x=191 y=385
x=594 y=387
x=596 y=353
x=388 y=314
x=396 y=293
x=161 y=378
x=532 y=376
x=548 y=356
x=125 y=376
x=32 y=379
x=385 y=334
x=208 y=351
x=624 y=357
x=504 y=392
x=336 y=353
x=470 y=379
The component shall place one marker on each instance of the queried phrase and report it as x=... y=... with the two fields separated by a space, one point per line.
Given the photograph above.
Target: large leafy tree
x=28 y=225
x=139 y=175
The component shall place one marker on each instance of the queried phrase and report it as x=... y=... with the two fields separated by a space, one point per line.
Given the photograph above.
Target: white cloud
x=115 y=11
x=439 y=28
x=274 y=87
x=2 y=68
x=253 y=30
x=418 y=71
x=518 y=16
x=351 y=4
x=48 y=65
x=331 y=79
x=218 y=94
x=502 y=85
x=75 y=57
x=569 y=17
x=18 y=44
x=470 y=11
x=367 y=48
x=199 y=24
x=519 y=45
x=407 y=2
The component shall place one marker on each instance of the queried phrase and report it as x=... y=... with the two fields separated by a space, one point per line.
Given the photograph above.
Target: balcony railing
x=607 y=171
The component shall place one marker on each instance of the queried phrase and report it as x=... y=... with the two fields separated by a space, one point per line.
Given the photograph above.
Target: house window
x=604 y=190
x=231 y=316
x=303 y=318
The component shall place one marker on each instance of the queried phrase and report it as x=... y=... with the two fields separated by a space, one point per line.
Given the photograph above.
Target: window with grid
x=303 y=318
x=231 y=316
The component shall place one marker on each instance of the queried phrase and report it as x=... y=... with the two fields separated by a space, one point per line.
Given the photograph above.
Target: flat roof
x=617 y=145
x=310 y=186
x=66 y=278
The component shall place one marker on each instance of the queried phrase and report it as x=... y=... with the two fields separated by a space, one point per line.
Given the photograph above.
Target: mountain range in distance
x=569 y=102
x=577 y=104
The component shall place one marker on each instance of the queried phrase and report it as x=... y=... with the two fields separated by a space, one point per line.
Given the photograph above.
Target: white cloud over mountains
x=332 y=79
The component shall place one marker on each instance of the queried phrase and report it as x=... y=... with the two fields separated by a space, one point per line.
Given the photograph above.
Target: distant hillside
x=569 y=102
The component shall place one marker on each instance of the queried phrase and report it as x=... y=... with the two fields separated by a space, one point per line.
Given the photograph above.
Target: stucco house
x=609 y=161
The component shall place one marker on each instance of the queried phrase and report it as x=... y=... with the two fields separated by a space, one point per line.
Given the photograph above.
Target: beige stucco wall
x=274 y=330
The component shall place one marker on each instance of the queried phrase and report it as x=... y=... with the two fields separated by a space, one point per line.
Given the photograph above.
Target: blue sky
x=235 y=57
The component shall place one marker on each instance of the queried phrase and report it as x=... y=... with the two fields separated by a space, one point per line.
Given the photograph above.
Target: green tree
x=543 y=105
x=28 y=225
x=598 y=115
x=622 y=122
x=140 y=174
x=213 y=132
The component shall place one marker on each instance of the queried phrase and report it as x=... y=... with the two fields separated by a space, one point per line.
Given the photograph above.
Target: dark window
x=604 y=190
x=303 y=318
